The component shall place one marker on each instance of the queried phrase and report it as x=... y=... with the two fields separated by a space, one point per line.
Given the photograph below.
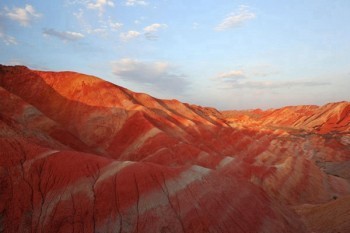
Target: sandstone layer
x=79 y=154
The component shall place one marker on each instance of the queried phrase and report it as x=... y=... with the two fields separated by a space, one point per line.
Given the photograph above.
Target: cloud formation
x=65 y=35
x=105 y=27
x=151 y=30
x=113 y=25
x=100 y=5
x=275 y=85
x=233 y=74
x=7 y=39
x=135 y=3
x=24 y=16
x=160 y=75
x=155 y=27
x=236 y=18
x=126 y=36
x=102 y=26
x=238 y=79
x=4 y=37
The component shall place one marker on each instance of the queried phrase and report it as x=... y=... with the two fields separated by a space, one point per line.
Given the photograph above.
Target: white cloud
x=276 y=85
x=114 y=25
x=135 y=3
x=74 y=2
x=154 y=27
x=235 y=19
x=85 y=25
x=139 y=20
x=151 y=30
x=100 y=5
x=79 y=15
x=126 y=36
x=8 y=40
x=233 y=74
x=103 y=26
x=99 y=31
x=237 y=79
x=159 y=75
x=23 y=16
x=65 y=35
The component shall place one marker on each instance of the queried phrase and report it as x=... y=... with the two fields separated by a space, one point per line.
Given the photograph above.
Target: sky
x=226 y=54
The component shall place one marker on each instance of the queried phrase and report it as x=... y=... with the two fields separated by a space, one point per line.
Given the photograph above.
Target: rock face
x=79 y=154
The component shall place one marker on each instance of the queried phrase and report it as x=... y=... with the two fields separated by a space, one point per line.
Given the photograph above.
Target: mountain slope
x=332 y=117
x=81 y=154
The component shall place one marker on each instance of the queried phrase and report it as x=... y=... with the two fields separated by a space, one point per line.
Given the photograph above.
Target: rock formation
x=79 y=154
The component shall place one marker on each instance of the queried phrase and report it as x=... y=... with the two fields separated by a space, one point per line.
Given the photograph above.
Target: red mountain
x=79 y=154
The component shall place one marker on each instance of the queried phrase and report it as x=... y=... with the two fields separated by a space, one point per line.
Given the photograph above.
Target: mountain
x=79 y=154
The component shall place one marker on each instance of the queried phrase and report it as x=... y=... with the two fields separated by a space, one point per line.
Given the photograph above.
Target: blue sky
x=225 y=54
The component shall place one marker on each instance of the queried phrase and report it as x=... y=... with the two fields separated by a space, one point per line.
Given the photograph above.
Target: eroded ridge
x=85 y=155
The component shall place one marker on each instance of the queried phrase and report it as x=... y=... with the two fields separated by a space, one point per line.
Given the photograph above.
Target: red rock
x=81 y=154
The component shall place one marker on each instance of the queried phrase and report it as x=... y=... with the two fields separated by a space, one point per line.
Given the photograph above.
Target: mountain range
x=80 y=154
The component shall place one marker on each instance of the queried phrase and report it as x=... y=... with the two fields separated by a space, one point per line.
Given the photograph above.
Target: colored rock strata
x=79 y=154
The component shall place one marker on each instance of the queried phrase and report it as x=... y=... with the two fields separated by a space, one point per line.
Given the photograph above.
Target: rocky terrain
x=79 y=154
